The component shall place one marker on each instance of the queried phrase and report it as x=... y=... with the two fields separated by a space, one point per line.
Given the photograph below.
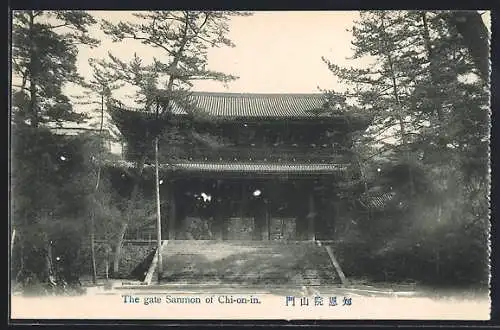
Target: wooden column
x=158 y=214
x=172 y=211
x=219 y=225
x=310 y=218
x=225 y=211
x=242 y=198
x=218 y=215
x=267 y=225
x=260 y=221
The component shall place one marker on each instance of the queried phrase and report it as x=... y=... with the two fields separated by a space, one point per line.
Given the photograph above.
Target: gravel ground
x=367 y=302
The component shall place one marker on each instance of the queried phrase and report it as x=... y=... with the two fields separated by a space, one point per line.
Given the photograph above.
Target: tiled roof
x=261 y=168
x=230 y=105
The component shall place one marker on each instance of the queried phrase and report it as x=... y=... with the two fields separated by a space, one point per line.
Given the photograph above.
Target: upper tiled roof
x=231 y=105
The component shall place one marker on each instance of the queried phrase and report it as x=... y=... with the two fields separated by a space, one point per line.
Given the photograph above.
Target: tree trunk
x=128 y=212
x=96 y=189
x=158 y=211
x=118 y=249
x=107 y=268
x=402 y=128
x=49 y=261
x=12 y=239
x=400 y=114
x=432 y=62
x=475 y=37
x=172 y=211
x=92 y=249
x=438 y=263
x=19 y=275
x=33 y=111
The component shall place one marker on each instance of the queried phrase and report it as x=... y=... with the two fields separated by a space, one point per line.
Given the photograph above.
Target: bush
x=134 y=255
x=440 y=238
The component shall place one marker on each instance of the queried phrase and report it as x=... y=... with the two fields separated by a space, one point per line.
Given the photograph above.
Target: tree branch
x=148 y=40
x=21 y=87
x=58 y=26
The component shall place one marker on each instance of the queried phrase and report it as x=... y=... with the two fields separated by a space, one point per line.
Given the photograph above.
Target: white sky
x=276 y=52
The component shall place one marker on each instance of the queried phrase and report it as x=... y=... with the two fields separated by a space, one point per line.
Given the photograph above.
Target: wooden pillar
x=310 y=218
x=260 y=220
x=243 y=202
x=172 y=212
x=267 y=223
x=224 y=226
x=219 y=225
x=225 y=211
x=218 y=231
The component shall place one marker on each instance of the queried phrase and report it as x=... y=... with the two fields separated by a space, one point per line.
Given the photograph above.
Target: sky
x=275 y=52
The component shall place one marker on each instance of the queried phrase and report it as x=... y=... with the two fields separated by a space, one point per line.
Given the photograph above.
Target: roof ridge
x=236 y=94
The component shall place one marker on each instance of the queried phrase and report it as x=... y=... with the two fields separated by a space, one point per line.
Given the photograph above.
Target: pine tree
x=49 y=201
x=184 y=38
x=101 y=87
x=424 y=87
x=44 y=53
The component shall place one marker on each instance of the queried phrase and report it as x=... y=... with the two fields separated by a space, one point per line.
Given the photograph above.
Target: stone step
x=248 y=262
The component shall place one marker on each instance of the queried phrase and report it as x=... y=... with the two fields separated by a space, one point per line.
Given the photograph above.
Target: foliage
x=184 y=38
x=44 y=54
x=53 y=196
x=49 y=202
x=428 y=144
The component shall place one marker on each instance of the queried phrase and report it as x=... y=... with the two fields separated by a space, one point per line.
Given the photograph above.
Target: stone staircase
x=246 y=263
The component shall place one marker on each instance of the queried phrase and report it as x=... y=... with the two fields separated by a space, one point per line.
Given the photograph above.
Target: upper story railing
x=269 y=154
x=249 y=154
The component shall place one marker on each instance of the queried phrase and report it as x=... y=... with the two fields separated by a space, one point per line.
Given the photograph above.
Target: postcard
x=250 y=165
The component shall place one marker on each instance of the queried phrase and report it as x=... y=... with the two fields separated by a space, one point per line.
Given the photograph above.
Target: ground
x=366 y=302
x=267 y=272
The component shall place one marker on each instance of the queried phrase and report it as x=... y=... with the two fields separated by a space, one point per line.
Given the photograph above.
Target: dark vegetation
x=428 y=94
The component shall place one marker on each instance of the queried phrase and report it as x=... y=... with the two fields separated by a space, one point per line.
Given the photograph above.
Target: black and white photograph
x=194 y=164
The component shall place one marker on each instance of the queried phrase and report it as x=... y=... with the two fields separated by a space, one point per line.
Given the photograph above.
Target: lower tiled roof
x=244 y=167
x=261 y=168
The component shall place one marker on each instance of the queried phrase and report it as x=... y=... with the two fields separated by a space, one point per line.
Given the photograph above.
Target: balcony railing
x=253 y=154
